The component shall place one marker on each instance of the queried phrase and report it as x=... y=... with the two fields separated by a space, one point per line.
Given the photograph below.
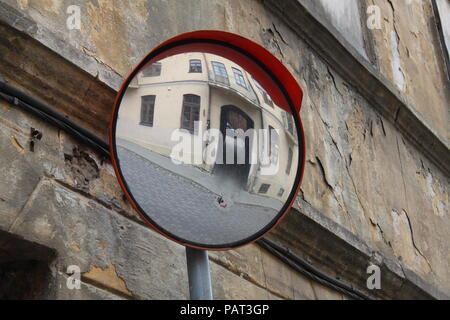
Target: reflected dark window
x=195 y=66
x=280 y=192
x=265 y=95
x=273 y=145
x=220 y=73
x=147 y=110
x=239 y=77
x=267 y=99
x=153 y=70
x=264 y=188
x=191 y=111
x=290 y=123
x=289 y=161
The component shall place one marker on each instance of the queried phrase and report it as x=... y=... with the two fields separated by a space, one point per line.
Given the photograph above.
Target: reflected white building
x=190 y=88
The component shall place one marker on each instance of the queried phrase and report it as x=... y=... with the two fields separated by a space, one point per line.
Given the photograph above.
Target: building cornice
x=336 y=251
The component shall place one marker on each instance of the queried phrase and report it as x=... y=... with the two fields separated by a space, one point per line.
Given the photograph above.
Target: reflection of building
x=190 y=88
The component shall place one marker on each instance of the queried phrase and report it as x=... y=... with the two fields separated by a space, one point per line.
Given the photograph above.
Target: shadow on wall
x=24 y=268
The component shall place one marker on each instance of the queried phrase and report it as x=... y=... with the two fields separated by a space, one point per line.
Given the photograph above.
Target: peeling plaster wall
x=408 y=53
x=360 y=171
x=345 y=16
x=63 y=196
x=406 y=49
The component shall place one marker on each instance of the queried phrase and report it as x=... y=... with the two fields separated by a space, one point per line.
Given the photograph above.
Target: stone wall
x=409 y=54
x=362 y=173
x=64 y=197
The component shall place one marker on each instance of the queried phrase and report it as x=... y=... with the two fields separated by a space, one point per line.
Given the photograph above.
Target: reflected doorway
x=233 y=123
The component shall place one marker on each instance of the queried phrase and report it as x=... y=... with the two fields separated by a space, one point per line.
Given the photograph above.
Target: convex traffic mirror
x=206 y=140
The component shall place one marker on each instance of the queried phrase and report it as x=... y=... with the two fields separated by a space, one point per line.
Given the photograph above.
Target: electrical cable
x=44 y=112
x=39 y=109
x=302 y=266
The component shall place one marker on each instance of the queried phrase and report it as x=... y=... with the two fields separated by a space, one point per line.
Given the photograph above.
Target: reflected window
x=264 y=188
x=264 y=93
x=280 y=192
x=289 y=161
x=290 y=123
x=153 y=70
x=147 y=110
x=239 y=77
x=191 y=112
x=195 y=66
x=220 y=73
x=273 y=145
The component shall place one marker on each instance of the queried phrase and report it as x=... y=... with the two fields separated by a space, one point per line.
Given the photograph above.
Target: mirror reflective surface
x=205 y=152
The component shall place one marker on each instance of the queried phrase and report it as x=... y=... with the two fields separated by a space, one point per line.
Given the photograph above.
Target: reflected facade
x=202 y=146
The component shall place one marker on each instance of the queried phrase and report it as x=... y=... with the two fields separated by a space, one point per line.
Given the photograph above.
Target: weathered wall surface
x=65 y=197
x=408 y=53
x=363 y=174
x=360 y=171
x=345 y=16
x=405 y=48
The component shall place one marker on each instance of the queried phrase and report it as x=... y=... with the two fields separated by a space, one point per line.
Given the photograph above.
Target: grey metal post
x=198 y=274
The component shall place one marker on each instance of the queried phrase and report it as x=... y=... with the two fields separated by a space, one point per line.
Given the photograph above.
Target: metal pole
x=198 y=274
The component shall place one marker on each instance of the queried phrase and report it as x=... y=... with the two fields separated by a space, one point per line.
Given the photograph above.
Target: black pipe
x=302 y=266
x=39 y=109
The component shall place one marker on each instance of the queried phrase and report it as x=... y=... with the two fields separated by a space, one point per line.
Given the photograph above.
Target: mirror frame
x=241 y=50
